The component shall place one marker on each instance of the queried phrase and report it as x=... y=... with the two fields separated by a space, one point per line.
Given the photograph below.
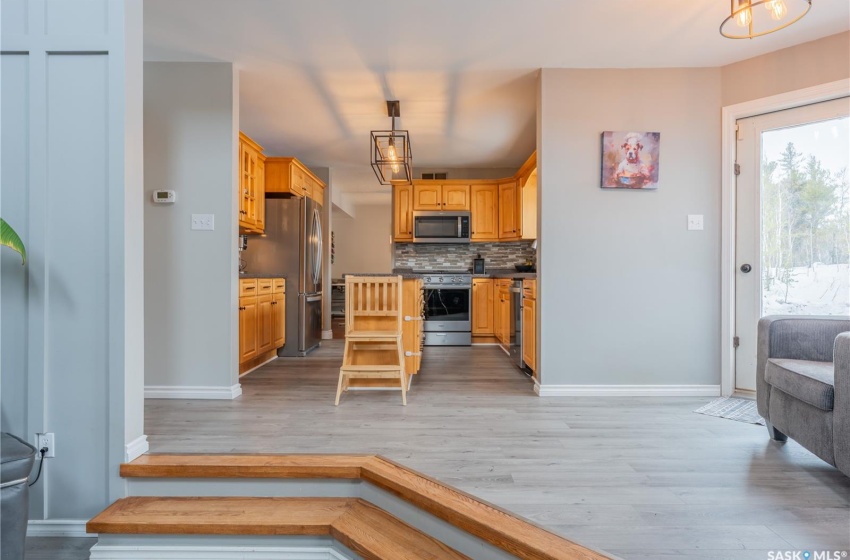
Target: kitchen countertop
x=250 y=275
x=405 y=274
x=492 y=273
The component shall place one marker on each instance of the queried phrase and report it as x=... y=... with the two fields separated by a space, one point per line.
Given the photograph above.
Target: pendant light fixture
x=753 y=18
x=391 y=158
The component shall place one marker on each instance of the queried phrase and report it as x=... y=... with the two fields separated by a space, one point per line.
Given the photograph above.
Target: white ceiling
x=315 y=74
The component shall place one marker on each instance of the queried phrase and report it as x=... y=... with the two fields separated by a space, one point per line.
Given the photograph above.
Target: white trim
x=729 y=116
x=178 y=552
x=192 y=392
x=136 y=448
x=58 y=528
x=328 y=334
x=257 y=367
x=627 y=390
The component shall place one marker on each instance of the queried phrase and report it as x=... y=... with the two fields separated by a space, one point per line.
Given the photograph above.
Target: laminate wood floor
x=642 y=478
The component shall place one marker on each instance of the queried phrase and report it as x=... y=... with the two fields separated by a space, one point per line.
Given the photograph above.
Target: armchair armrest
x=841 y=408
x=794 y=337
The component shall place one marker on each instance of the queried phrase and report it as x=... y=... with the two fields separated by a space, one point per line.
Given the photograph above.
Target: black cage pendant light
x=391 y=157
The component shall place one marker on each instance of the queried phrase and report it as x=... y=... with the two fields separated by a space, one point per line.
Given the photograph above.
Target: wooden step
x=477 y=517
x=378 y=336
x=353 y=368
x=367 y=530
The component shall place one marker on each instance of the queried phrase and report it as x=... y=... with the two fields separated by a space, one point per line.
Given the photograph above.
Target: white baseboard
x=327 y=335
x=58 y=528
x=114 y=552
x=192 y=392
x=627 y=390
x=136 y=448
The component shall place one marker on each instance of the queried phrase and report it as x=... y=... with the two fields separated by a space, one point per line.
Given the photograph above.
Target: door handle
x=745 y=268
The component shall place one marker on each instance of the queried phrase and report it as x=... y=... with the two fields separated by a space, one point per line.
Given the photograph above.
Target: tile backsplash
x=451 y=256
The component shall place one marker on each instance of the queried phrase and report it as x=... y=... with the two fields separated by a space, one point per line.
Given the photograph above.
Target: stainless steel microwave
x=441 y=227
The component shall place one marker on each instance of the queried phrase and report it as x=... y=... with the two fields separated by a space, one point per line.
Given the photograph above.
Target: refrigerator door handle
x=315 y=298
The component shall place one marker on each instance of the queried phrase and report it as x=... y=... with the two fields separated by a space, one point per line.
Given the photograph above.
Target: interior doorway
x=792 y=240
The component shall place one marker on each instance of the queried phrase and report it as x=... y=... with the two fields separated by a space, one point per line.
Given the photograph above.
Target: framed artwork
x=630 y=160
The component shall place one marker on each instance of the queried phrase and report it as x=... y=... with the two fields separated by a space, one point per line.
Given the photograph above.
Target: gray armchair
x=803 y=383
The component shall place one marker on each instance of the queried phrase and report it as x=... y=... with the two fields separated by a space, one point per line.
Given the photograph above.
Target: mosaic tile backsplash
x=459 y=256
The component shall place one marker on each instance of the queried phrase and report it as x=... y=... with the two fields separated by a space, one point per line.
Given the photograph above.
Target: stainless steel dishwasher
x=515 y=349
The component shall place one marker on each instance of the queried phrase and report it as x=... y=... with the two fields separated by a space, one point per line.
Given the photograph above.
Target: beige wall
x=362 y=243
x=627 y=294
x=810 y=64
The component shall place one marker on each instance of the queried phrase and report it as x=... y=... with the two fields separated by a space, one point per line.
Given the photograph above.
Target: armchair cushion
x=811 y=382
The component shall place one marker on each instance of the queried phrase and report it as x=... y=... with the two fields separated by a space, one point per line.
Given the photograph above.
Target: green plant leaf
x=10 y=238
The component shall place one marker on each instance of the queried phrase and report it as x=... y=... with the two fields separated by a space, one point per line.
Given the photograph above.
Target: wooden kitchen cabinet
x=403 y=213
x=411 y=338
x=484 y=209
x=482 y=306
x=502 y=311
x=262 y=320
x=288 y=176
x=436 y=196
x=427 y=196
x=251 y=186
x=508 y=214
x=529 y=324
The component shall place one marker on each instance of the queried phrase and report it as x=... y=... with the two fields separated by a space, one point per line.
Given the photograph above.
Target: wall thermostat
x=164 y=197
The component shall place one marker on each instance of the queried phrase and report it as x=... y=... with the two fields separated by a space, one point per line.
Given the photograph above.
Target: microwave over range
x=441 y=227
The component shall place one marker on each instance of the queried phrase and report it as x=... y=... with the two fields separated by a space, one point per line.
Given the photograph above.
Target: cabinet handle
x=241 y=309
x=249 y=288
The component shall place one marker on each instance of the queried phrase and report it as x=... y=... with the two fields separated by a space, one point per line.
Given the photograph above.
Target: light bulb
x=391 y=155
x=744 y=17
x=778 y=9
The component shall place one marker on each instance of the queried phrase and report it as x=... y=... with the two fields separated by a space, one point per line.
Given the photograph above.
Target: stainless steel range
x=448 y=307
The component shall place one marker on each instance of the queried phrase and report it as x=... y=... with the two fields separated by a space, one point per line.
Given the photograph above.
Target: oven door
x=447 y=309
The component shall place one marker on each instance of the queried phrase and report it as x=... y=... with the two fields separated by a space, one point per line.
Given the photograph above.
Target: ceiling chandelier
x=754 y=18
x=391 y=157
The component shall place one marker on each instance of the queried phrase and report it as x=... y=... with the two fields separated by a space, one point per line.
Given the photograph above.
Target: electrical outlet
x=203 y=222
x=695 y=222
x=47 y=440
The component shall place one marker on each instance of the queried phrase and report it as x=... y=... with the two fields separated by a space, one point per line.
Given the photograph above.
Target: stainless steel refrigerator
x=292 y=245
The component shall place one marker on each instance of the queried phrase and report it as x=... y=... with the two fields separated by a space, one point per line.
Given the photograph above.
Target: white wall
x=627 y=294
x=191 y=131
x=71 y=185
x=363 y=242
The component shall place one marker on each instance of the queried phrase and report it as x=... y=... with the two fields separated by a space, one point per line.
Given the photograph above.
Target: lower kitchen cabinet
x=411 y=338
x=529 y=324
x=502 y=323
x=482 y=307
x=262 y=319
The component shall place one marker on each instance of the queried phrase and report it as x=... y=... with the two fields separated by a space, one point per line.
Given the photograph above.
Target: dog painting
x=630 y=160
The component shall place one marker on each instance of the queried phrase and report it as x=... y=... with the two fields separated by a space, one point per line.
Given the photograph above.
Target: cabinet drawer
x=264 y=285
x=247 y=287
x=529 y=288
x=279 y=285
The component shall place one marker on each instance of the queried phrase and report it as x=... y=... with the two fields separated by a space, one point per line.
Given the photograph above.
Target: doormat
x=740 y=410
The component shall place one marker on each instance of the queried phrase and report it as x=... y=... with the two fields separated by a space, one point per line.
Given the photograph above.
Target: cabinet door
x=296 y=181
x=265 y=322
x=505 y=320
x=279 y=320
x=482 y=306
x=427 y=197
x=484 y=208
x=529 y=333
x=260 y=196
x=244 y=183
x=508 y=211
x=247 y=328
x=455 y=197
x=403 y=213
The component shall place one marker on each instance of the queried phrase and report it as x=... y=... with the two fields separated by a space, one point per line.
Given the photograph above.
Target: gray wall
x=191 y=131
x=817 y=62
x=627 y=294
x=363 y=243
x=70 y=327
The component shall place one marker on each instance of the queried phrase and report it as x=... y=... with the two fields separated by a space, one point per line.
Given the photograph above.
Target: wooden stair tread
x=219 y=516
x=357 y=335
x=369 y=531
x=367 y=367
x=490 y=523
x=245 y=466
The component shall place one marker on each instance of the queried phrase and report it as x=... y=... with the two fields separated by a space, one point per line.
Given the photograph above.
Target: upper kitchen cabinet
x=428 y=195
x=403 y=213
x=527 y=198
x=287 y=175
x=251 y=186
x=485 y=212
x=508 y=211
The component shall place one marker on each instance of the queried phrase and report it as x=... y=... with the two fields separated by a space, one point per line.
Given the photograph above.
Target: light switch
x=203 y=222
x=695 y=222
